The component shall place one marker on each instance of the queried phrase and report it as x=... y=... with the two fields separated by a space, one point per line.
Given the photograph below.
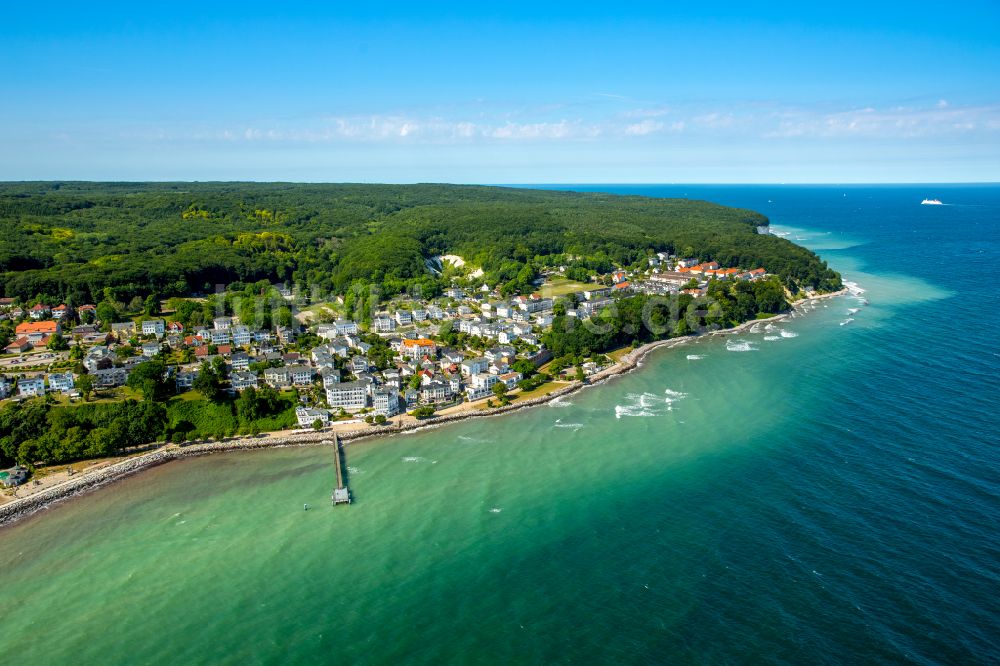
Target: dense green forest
x=640 y=319
x=69 y=242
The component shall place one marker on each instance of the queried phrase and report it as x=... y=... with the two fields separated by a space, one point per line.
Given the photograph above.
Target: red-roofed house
x=18 y=346
x=39 y=311
x=417 y=348
x=36 y=331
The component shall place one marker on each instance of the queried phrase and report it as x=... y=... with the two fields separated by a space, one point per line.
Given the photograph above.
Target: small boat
x=931 y=202
x=305 y=507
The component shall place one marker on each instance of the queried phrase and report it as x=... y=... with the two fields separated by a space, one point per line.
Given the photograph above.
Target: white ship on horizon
x=931 y=202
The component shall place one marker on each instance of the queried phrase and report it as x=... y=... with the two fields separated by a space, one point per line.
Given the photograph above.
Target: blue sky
x=514 y=93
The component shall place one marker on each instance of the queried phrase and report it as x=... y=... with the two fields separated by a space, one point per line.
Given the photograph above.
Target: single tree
x=85 y=384
x=207 y=382
x=147 y=377
x=500 y=391
x=57 y=343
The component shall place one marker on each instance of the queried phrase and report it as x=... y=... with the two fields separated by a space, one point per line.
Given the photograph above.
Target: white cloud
x=559 y=130
x=894 y=123
x=643 y=128
x=647 y=113
x=695 y=122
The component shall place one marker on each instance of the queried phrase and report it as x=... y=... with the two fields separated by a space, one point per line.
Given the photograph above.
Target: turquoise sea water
x=829 y=495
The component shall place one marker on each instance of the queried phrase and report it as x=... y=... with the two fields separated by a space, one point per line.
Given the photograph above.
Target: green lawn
x=560 y=286
x=544 y=389
x=617 y=354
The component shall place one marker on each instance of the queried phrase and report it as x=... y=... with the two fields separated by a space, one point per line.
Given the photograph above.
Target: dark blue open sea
x=823 y=491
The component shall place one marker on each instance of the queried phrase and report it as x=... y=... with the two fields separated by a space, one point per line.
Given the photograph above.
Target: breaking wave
x=648 y=404
x=639 y=404
x=672 y=397
x=739 y=346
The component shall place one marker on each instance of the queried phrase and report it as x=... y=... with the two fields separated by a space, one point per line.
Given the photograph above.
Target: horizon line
x=506 y=184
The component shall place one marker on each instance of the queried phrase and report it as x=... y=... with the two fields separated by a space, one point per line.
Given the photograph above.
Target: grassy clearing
x=544 y=389
x=560 y=286
x=617 y=354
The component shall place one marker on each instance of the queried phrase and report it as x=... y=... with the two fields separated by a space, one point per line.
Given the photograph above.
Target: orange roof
x=36 y=327
x=623 y=285
x=420 y=342
x=20 y=343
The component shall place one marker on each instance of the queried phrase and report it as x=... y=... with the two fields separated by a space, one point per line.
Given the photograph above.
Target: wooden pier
x=341 y=494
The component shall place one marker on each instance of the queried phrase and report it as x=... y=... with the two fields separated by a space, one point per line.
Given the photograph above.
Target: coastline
x=105 y=474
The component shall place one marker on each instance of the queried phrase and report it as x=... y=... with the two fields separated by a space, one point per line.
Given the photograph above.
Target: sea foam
x=639 y=404
x=739 y=346
x=672 y=397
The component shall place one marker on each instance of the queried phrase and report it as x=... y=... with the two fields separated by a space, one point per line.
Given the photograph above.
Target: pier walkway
x=341 y=494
